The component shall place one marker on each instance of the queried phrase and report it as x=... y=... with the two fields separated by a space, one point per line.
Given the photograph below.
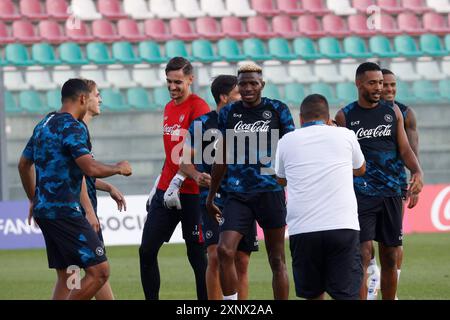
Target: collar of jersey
x=313 y=123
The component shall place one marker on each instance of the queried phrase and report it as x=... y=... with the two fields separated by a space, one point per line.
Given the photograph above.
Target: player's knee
x=389 y=258
x=147 y=254
x=225 y=254
x=277 y=263
x=100 y=272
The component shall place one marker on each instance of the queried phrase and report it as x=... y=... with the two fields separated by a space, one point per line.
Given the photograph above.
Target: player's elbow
x=24 y=164
x=361 y=171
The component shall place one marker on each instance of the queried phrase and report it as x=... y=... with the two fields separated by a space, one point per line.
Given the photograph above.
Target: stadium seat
x=404 y=70
x=435 y=23
x=31 y=9
x=331 y=48
x=50 y=31
x=5 y=37
x=381 y=47
x=390 y=6
x=305 y=48
x=137 y=9
x=44 y=54
x=8 y=11
x=128 y=29
x=229 y=50
x=110 y=9
x=214 y=8
x=161 y=96
x=279 y=49
x=138 y=98
x=431 y=45
x=234 y=28
x=290 y=7
x=259 y=27
x=10 y=104
x=447 y=42
x=328 y=72
x=163 y=9
x=85 y=10
x=17 y=54
x=60 y=74
x=316 y=7
x=406 y=46
x=441 y=6
x=240 y=8
x=445 y=67
x=309 y=26
x=189 y=9
x=31 y=102
x=96 y=73
x=444 y=89
x=409 y=23
x=325 y=90
x=302 y=72
x=283 y=26
x=429 y=69
x=356 y=47
x=341 y=7
x=417 y=6
x=222 y=67
x=112 y=100
x=265 y=7
x=71 y=53
x=119 y=77
x=78 y=31
x=123 y=52
x=39 y=79
x=388 y=26
x=148 y=77
x=426 y=92
x=150 y=52
x=177 y=48
x=334 y=25
x=53 y=99
x=97 y=53
x=362 y=5
x=255 y=50
x=271 y=91
x=208 y=28
x=180 y=28
x=348 y=69
x=14 y=80
x=202 y=50
x=275 y=72
x=23 y=31
x=103 y=30
x=358 y=25
x=294 y=93
x=404 y=93
x=156 y=29
x=57 y=9
x=203 y=76
x=346 y=92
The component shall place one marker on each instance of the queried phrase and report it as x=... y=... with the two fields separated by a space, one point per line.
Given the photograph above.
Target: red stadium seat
x=388 y=26
x=50 y=31
x=283 y=27
x=417 y=6
x=8 y=10
x=358 y=24
x=435 y=23
x=4 y=34
x=335 y=26
x=309 y=26
x=233 y=27
x=315 y=7
x=23 y=31
x=32 y=9
x=181 y=29
x=208 y=28
x=390 y=6
x=409 y=23
x=57 y=9
x=362 y=5
x=103 y=30
x=128 y=29
x=290 y=7
x=111 y=9
x=259 y=27
x=265 y=7
x=76 y=30
x=156 y=29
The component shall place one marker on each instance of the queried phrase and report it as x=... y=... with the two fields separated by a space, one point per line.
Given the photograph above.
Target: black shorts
x=71 y=242
x=327 y=261
x=380 y=219
x=161 y=222
x=242 y=209
x=248 y=243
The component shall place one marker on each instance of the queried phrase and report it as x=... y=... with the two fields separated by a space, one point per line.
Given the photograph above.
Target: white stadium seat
x=341 y=7
x=163 y=9
x=149 y=76
x=240 y=8
x=85 y=10
x=13 y=79
x=275 y=72
x=39 y=79
x=119 y=77
x=429 y=69
x=302 y=72
x=137 y=9
x=404 y=70
x=189 y=8
x=328 y=72
x=442 y=6
x=214 y=8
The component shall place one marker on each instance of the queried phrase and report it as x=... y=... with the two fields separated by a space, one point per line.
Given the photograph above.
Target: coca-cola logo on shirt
x=172 y=130
x=258 y=126
x=380 y=131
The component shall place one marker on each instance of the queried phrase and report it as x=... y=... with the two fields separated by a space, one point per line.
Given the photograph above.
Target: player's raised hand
x=203 y=180
x=416 y=183
x=125 y=168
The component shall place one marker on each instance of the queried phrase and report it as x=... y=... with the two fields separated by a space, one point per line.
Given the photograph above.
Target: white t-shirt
x=318 y=163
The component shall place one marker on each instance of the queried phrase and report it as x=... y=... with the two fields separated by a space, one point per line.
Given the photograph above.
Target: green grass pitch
x=24 y=273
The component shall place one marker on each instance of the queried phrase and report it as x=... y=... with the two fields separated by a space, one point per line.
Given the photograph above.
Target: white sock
x=373 y=262
x=398 y=275
x=232 y=297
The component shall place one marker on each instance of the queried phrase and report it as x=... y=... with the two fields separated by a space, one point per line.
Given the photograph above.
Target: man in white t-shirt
x=317 y=162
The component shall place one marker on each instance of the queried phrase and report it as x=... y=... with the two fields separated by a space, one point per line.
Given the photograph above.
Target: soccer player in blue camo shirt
x=51 y=170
